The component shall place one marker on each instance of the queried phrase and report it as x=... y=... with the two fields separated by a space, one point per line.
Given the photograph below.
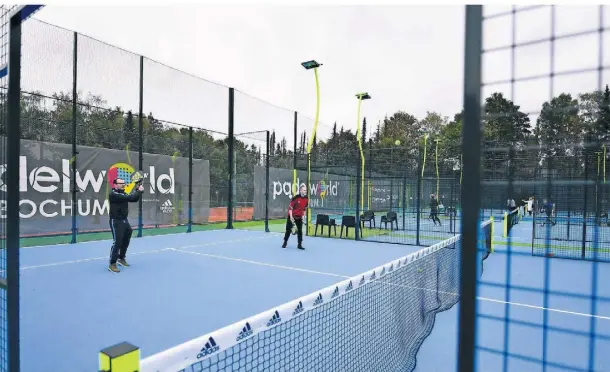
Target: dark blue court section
x=568 y=316
x=179 y=287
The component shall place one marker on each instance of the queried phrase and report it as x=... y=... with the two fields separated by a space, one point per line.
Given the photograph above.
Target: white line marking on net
x=261 y=263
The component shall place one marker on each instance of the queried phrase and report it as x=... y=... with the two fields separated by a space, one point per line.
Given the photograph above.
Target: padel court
x=177 y=288
x=520 y=305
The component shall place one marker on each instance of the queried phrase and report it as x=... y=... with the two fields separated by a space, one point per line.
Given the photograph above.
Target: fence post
x=418 y=199
x=267 y=186
x=294 y=156
x=358 y=201
x=74 y=153
x=13 y=149
x=586 y=196
x=231 y=159
x=404 y=200
x=452 y=205
x=190 y=211
x=471 y=199
x=141 y=141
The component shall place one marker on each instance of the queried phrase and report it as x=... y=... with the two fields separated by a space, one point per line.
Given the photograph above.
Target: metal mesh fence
x=545 y=123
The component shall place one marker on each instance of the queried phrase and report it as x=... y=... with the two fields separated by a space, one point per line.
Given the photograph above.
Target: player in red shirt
x=296 y=211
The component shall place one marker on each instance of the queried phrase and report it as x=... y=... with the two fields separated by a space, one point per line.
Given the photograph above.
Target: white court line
x=398 y=285
x=137 y=253
x=87 y=259
x=292 y=268
x=179 y=249
x=135 y=239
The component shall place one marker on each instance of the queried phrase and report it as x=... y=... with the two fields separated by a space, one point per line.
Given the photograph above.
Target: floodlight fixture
x=311 y=64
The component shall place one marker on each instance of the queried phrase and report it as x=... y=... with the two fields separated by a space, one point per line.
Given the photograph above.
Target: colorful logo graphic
x=122 y=171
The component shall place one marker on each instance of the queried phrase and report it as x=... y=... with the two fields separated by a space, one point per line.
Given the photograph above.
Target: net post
x=471 y=200
x=190 y=210
x=505 y=225
x=267 y=185
x=13 y=136
x=141 y=141
x=418 y=199
x=74 y=153
x=231 y=159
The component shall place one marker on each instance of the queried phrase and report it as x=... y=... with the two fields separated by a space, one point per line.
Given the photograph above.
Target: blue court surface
x=568 y=309
x=179 y=287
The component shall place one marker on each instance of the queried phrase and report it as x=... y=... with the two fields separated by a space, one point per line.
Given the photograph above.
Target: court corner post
x=141 y=142
x=121 y=357
x=471 y=200
x=267 y=185
x=190 y=210
x=231 y=158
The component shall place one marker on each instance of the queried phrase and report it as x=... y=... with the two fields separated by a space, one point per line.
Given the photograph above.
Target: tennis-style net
x=375 y=321
x=511 y=219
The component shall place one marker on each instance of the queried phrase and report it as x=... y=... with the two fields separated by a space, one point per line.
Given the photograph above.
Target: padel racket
x=294 y=229
x=137 y=177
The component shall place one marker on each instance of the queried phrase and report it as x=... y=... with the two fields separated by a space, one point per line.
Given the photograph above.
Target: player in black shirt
x=120 y=227
x=434 y=210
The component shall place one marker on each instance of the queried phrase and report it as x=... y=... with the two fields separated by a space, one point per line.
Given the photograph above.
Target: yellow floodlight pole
x=361 y=96
x=437 y=174
x=308 y=66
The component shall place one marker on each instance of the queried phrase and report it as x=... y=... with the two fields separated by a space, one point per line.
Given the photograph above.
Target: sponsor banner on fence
x=329 y=193
x=45 y=172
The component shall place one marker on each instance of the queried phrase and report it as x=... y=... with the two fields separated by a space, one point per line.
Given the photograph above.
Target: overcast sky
x=408 y=58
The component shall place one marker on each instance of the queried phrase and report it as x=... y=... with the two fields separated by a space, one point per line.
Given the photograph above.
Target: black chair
x=368 y=216
x=390 y=218
x=323 y=220
x=347 y=222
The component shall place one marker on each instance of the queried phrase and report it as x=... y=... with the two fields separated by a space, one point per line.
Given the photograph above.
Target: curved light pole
x=311 y=65
x=361 y=97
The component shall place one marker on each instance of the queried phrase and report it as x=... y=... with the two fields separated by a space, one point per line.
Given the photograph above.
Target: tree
x=363 y=139
x=504 y=123
x=559 y=128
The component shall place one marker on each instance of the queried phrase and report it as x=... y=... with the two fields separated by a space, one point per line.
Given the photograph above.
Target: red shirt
x=298 y=205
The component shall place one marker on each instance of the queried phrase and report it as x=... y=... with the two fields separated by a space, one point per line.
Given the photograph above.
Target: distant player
x=296 y=211
x=121 y=230
x=549 y=209
x=434 y=210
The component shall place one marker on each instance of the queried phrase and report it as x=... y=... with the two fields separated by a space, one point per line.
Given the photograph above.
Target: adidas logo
x=167 y=207
x=372 y=276
x=275 y=319
x=335 y=293
x=298 y=309
x=362 y=281
x=210 y=347
x=245 y=332
x=318 y=300
x=349 y=287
